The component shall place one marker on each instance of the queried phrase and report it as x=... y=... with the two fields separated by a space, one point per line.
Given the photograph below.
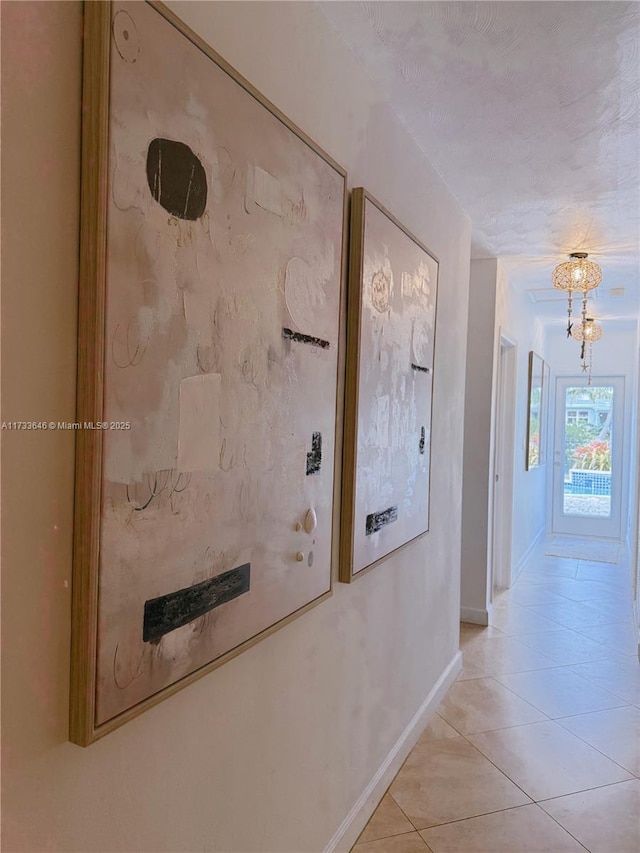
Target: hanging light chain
x=576 y=274
x=587 y=333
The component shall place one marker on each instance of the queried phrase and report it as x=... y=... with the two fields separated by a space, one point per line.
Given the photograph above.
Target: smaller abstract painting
x=544 y=422
x=393 y=281
x=537 y=411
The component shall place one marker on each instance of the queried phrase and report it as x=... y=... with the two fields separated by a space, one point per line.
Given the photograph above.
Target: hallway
x=536 y=747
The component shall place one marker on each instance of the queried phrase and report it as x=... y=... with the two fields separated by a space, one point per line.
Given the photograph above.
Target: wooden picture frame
x=213 y=243
x=537 y=397
x=393 y=280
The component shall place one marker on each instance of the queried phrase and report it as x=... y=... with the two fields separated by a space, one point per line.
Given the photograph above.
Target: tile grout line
x=586 y=790
x=510 y=808
x=544 y=811
x=564 y=716
x=622 y=767
x=595 y=683
x=490 y=762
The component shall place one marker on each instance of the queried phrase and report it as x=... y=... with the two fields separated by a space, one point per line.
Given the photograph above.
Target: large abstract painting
x=393 y=283
x=213 y=236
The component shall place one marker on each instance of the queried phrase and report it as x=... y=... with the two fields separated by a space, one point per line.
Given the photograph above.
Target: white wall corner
x=347 y=833
x=477 y=475
x=476 y=615
x=522 y=562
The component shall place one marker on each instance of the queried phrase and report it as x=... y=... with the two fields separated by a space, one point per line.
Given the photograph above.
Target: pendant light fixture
x=577 y=275
x=587 y=333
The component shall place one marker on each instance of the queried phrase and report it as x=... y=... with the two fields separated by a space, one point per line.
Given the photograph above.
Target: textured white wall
x=635 y=527
x=270 y=751
x=515 y=316
x=495 y=308
x=475 y=595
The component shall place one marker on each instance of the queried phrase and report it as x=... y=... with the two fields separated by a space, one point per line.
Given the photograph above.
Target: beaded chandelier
x=587 y=333
x=576 y=275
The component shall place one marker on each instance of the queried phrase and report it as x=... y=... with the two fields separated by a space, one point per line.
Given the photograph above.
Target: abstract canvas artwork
x=213 y=236
x=537 y=408
x=544 y=420
x=393 y=282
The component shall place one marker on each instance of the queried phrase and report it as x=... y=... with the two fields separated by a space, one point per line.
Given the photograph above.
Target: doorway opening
x=502 y=504
x=588 y=450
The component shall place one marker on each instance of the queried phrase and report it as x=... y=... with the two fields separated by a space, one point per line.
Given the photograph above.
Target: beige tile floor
x=536 y=747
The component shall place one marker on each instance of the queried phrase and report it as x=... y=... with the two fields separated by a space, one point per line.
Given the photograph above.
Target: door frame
x=581 y=525
x=504 y=421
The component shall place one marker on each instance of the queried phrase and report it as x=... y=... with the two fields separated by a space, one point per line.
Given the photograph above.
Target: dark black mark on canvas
x=421 y=369
x=422 y=439
x=177 y=179
x=314 y=459
x=304 y=339
x=168 y=612
x=377 y=520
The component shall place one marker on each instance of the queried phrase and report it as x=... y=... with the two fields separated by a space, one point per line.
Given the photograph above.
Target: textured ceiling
x=530 y=111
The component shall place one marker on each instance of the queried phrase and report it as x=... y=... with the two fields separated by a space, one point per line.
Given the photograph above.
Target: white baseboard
x=357 y=818
x=475 y=615
x=522 y=562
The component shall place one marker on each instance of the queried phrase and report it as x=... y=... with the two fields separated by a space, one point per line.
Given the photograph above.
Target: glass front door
x=587 y=457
